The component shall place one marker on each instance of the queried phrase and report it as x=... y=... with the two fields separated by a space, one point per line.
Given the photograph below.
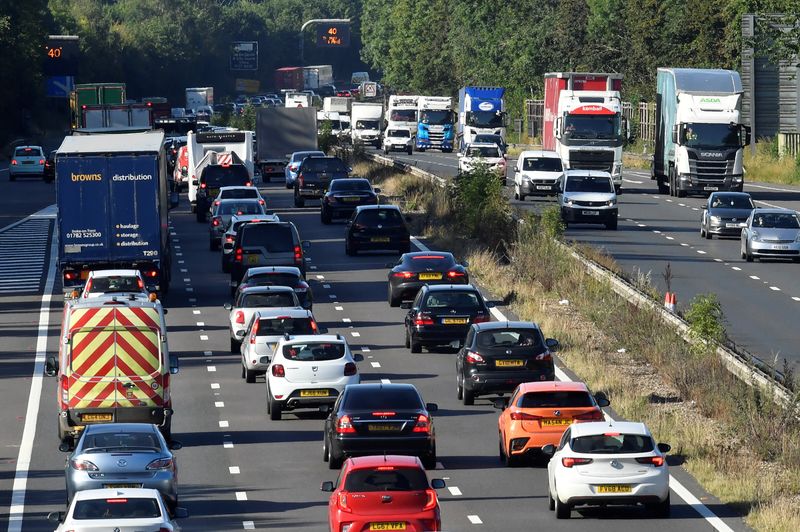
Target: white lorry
x=199 y=97
x=297 y=99
x=365 y=123
x=198 y=145
x=402 y=113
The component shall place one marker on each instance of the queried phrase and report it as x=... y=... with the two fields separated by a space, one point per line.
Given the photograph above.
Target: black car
x=377 y=227
x=266 y=244
x=370 y=419
x=442 y=314
x=49 y=174
x=419 y=268
x=212 y=178
x=279 y=276
x=499 y=355
x=314 y=176
x=344 y=195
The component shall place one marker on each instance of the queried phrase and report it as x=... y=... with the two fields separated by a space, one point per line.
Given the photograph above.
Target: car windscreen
x=282 y=324
x=386 y=478
x=731 y=201
x=555 y=399
x=372 y=399
x=313 y=352
x=117 y=508
x=516 y=340
x=483 y=151
x=776 y=221
x=452 y=299
x=272 y=279
x=433 y=261
x=398 y=133
x=275 y=238
x=349 y=185
x=541 y=164
x=612 y=443
x=269 y=299
x=588 y=184
x=105 y=441
x=319 y=164
x=375 y=217
x=27 y=152
x=115 y=283
x=239 y=193
x=228 y=207
x=224 y=176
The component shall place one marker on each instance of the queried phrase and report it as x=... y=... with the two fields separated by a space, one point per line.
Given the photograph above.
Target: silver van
x=588 y=196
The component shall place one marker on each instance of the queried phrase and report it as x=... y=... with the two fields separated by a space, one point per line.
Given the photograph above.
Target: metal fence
x=789 y=144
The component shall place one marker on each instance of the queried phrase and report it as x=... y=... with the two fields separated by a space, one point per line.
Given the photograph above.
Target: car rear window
x=386 y=478
x=275 y=238
x=541 y=164
x=382 y=399
x=514 y=339
x=483 y=151
x=319 y=164
x=282 y=325
x=272 y=279
x=116 y=283
x=384 y=217
x=340 y=185
x=271 y=299
x=119 y=440
x=612 y=443
x=452 y=299
x=555 y=399
x=313 y=352
x=239 y=207
x=28 y=152
x=433 y=261
x=225 y=176
x=117 y=508
x=239 y=193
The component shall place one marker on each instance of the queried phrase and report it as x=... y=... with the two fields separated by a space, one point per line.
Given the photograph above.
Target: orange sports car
x=538 y=413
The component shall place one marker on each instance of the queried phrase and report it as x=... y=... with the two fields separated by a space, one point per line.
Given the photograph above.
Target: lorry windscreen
x=711 y=136
x=403 y=115
x=367 y=124
x=484 y=119
x=592 y=126
x=225 y=176
x=436 y=118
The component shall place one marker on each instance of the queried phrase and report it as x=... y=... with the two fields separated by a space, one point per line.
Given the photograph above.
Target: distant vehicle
x=416 y=269
x=294 y=164
x=537 y=173
x=357 y=78
x=377 y=227
x=289 y=78
x=222 y=211
x=315 y=175
x=181 y=172
x=316 y=76
x=397 y=140
x=607 y=462
x=266 y=244
x=435 y=123
x=402 y=114
x=289 y=276
x=588 y=196
x=486 y=154
x=387 y=491
x=199 y=97
x=492 y=139
x=50 y=167
x=771 y=234
x=725 y=214
x=223 y=148
x=344 y=195
x=481 y=110
x=365 y=119
x=250 y=299
x=27 y=161
x=280 y=132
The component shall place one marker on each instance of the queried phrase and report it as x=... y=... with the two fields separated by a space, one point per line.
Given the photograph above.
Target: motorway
x=238 y=470
x=656 y=230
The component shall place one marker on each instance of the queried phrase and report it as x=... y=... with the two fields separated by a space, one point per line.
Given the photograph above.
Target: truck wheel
x=679 y=192
x=663 y=188
x=409 y=151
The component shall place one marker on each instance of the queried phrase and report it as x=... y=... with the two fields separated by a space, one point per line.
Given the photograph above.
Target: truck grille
x=436 y=137
x=592 y=160
x=710 y=171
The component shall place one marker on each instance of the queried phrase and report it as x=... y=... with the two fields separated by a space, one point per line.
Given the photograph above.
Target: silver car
x=123 y=455
x=223 y=210
x=771 y=233
x=725 y=214
x=266 y=328
x=294 y=165
x=252 y=299
x=587 y=196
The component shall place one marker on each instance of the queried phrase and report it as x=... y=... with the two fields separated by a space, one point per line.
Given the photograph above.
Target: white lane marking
x=179 y=254
x=439 y=466
x=641 y=225
x=201 y=324
x=313 y=267
x=669 y=201
x=717 y=260
x=682 y=204
x=241 y=495
x=192 y=300
x=339 y=308
x=695 y=209
x=215 y=386
x=195 y=312
x=474 y=519
x=189 y=289
x=670 y=238
x=20 y=486
x=203 y=337
x=796 y=298
x=320 y=277
x=248 y=525
x=356 y=333
x=326 y=286
x=454 y=491
x=684 y=245
x=375 y=364
x=700 y=251
x=385 y=381
x=365 y=349
x=755 y=277
x=227 y=444
x=187 y=279
x=767 y=204
x=771 y=188
x=738 y=269
x=211 y=369
x=346 y=320
x=332 y=296
x=775 y=288
x=234 y=470
x=181 y=261
x=656 y=231
x=224 y=424
x=219 y=404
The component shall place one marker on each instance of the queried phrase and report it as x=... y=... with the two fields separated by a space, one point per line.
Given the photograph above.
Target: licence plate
x=734 y=225
x=252 y=259
x=615 y=488
x=454 y=321
x=96 y=417
x=351 y=198
x=430 y=276
x=779 y=246
x=509 y=363
x=314 y=393
x=590 y=213
x=383 y=427
x=27 y=162
x=542 y=187
x=556 y=422
x=379 y=239
x=710 y=188
x=118 y=486
x=387 y=526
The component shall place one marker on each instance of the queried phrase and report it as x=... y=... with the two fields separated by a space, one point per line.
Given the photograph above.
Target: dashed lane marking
x=474 y=519
x=211 y=369
x=224 y=424
x=219 y=404
x=241 y=495
x=454 y=491
x=248 y=525
x=215 y=386
x=375 y=364
x=234 y=470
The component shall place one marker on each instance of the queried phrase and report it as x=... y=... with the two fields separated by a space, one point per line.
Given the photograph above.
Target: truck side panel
x=665 y=120
x=283 y=130
x=552 y=88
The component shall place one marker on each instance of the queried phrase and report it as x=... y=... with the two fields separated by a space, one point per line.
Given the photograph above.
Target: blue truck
x=113 y=196
x=435 y=120
x=481 y=110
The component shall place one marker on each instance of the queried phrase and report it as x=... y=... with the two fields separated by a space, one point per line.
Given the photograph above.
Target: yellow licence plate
x=430 y=276
x=387 y=526
x=509 y=363
x=351 y=198
x=615 y=488
x=96 y=417
x=454 y=321
x=383 y=427
x=379 y=239
x=252 y=259
x=556 y=422
x=314 y=393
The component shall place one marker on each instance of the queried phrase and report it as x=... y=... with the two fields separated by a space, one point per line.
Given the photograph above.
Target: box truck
x=281 y=131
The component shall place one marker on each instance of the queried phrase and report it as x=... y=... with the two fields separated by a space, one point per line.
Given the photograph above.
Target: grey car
x=221 y=213
x=587 y=196
x=123 y=455
x=725 y=214
x=771 y=233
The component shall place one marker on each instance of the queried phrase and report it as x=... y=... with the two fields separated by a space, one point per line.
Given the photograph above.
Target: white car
x=26 y=161
x=221 y=213
x=252 y=299
x=537 y=173
x=265 y=328
x=308 y=371
x=398 y=140
x=482 y=153
x=117 y=509
x=121 y=283
x=602 y=462
x=239 y=192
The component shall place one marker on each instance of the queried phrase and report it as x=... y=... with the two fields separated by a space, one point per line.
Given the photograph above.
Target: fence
x=789 y=144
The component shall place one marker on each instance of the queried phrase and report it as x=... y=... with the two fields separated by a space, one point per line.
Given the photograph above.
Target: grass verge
x=767 y=167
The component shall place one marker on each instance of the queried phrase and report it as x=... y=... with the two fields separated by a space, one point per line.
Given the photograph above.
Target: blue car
x=293 y=166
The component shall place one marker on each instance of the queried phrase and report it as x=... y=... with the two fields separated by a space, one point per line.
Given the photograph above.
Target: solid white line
x=474 y=519
x=795 y=298
x=248 y=525
x=17 y=505
x=234 y=470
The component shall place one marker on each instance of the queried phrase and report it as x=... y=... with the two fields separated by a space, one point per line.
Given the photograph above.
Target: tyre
x=409 y=151
x=244 y=371
x=429 y=460
x=408 y=341
x=663 y=188
x=393 y=301
x=213 y=245
x=659 y=509
x=226 y=267
x=326 y=454
x=563 y=511
x=467 y=397
x=421 y=150
x=335 y=461
x=501 y=454
x=747 y=255
x=707 y=234
x=275 y=410
x=250 y=376
x=415 y=346
x=289 y=185
x=679 y=192
x=516 y=192
x=702 y=232
x=349 y=250
x=386 y=151
x=299 y=202
x=201 y=216
x=551 y=504
x=193 y=209
x=235 y=346
x=459 y=389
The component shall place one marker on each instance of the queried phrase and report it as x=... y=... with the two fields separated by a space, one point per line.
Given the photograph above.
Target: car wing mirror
x=465 y=263
x=551 y=343
x=549 y=449
x=438 y=483
x=240 y=334
x=358 y=357
x=264 y=360
x=602 y=399
x=326 y=486
x=664 y=447
x=501 y=403
x=405 y=304
x=227 y=306
x=376 y=190
x=431 y=407
x=51 y=367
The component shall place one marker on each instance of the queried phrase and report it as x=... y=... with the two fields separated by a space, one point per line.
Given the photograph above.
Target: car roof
x=113 y=273
x=29 y=146
x=273 y=269
x=236 y=187
x=773 y=210
x=496 y=325
x=429 y=253
x=283 y=311
x=587 y=173
x=333 y=338
x=379 y=386
x=265 y=289
x=450 y=287
x=601 y=427
x=377 y=208
x=553 y=386
x=370 y=462
x=729 y=193
x=110 y=493
x=119 y=427
x=547 y=154
x=237 y=200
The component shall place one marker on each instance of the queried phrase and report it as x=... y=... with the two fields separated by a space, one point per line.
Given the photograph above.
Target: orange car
x=538 y=413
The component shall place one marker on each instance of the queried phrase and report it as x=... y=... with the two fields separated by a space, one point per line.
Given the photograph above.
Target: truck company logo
x=405 y=101
x=132 y=177
x=485 y=106
x=86 y=177
x=710 y=100
x=711 y=154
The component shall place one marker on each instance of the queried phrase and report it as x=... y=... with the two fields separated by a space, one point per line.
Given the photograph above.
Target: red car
x=383 y=493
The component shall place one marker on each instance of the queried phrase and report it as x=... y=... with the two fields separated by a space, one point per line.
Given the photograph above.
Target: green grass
x=766 y=167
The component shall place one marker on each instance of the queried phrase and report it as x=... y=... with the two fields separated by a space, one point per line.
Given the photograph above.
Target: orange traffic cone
x=670 y=301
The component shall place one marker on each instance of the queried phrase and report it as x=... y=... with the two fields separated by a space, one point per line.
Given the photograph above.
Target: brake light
x=64 y=390
x=70 y=275
x=41 y=161
x=13 y=162
x=524 y=416
x=228 y=238
x=454 y=274
x=342 y=503
x=594 y=415
x=202 y=185
x=151 y=273
x=569 y=461
x=293 y=167
x=384 y=414
x=83 y=465
x=161 y=463
x=254 y=332
x=239 y=317
x=423 y=319
x=404 y=275
x=215 y=221
x=262 y=202
x=314 y=327
x=657 y=461
x=238 y=255
x=359 y=227
x=432 y=501
x=385 y=468
x=546 y=356
x=423 y=424
x=481 y=318
x=140 y=283
x=278 y=370
x=216 y=202
x=116 y=501
x=345 y=425
x=300 y=180
x=611 y=434
x=350 y=369
x=474 y=358
x=298 y=254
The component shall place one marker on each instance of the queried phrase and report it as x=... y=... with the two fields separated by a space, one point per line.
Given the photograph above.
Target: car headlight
x=716 y=219
x=755 y=237
x=569 y=203
x=611 y=202
x=797 y=238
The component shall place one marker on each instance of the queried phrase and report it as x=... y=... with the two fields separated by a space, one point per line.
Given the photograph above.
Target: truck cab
x=402 y=114
x=435 y=123
x=481 y=110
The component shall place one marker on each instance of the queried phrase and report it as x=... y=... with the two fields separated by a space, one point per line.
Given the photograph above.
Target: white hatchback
x=537 y=173
x=264 y=331
x=482 y=153
x=120 y=283
x=309 y=372
x=601 y=463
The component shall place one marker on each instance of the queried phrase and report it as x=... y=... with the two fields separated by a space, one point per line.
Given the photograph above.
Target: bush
x=551 y=222
x=481 y=210
x=705 y=319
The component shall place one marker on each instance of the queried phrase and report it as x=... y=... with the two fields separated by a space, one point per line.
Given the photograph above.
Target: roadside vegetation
x=768 y=166
x=734 y=439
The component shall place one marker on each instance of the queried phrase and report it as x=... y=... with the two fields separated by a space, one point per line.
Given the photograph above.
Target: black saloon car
x=344 y=195
x=419 y=268
x=377 y=227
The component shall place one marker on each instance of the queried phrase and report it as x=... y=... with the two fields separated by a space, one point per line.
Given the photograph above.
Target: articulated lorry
x=435 y=123
x=281 y=131
x=700 y=136
x=199 y=97
x=365 y=123
x=481 y=110
x=111 y=192
x=198 y=146
x=317 y=76
x=102 y=105
x=402 y=114
x=289 y=78
x=583 y=121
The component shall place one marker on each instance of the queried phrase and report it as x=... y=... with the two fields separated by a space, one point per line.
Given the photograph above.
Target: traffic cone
x=670 y=301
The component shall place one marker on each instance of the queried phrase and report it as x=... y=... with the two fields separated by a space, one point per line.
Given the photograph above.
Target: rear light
x=64 y=389
x=300 y=180
x=140 y=284
x=41 y=161
x=13 y=162
x=569 y=461
x=384 y=414
x=88 y=287
x=70 y=275
x=298 y=255
x=161 y=463
x=350 y=369
x=481 y=318
x=594 y=415
x=116 y=501
x=228 y=238
x=278 y=370
x=423 y=424
x=385 y=468
x=83 y=465
x=254 y=332
x=546 y=356
x=454 y=274
x=202 y=185
x=238 y=255
x=216 y=203
x=524 y=416
x=262 y=202
x=248 y=183
x=345 y=425
x=657 y=461
x=342 y=503
x=314 y=327
x=293 y=167
x=474 y=358
x=432 y=501
x=423 y=319
x=302 y=287
x=404 y=275
x=239 y=317
x=151 y=273
x=215 y=222
x=359 y=227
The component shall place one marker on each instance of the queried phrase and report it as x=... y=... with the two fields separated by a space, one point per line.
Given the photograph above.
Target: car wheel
x=467 y=397
x=225 y=266
x=702 y=231
x=386 y=151
x=393 y=301
x=244 y=371
x=408 y=341
x=551 y=504
x=325 y=216
x=747 y=255
x=562 y=510
x=349 y=249
x=415 y=346
x=275 y=410
x=200 y=215
x=459 y=388
x=708 y=234
x=501 y=454
x=516 y=192
x=659 y=509
x=212 y=245
x=409 y=151
x=250 y=376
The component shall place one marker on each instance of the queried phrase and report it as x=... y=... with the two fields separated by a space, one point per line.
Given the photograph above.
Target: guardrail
x=741 y=365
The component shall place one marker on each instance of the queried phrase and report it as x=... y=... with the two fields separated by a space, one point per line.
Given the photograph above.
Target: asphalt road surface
x=238 y=469
x=656 y=230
